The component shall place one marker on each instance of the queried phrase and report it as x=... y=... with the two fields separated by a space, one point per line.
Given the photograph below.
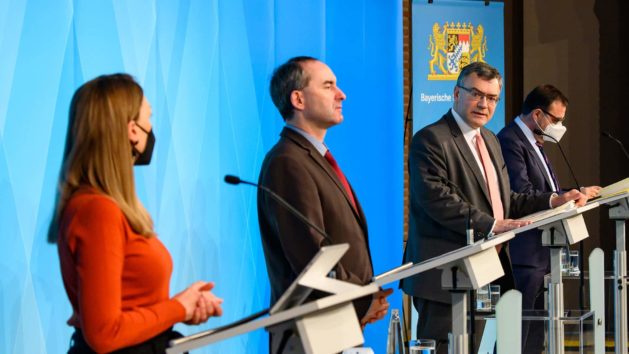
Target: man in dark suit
x=456 y=170
x=301 y=169
x=531 y=172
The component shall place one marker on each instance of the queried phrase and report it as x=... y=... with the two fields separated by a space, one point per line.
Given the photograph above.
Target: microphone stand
x=230 y=179
x=469 y=232
x=235 y=180
x=574 y=177
x=617 y=141
x=581 y=246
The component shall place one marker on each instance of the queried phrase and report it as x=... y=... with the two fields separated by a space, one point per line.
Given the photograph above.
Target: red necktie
x=490 y=178
x=335 y=166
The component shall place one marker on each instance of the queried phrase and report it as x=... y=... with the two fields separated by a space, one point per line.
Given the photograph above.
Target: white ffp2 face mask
x=555 y=130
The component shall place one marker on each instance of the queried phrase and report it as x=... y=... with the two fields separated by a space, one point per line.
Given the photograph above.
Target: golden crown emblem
x=453 y=47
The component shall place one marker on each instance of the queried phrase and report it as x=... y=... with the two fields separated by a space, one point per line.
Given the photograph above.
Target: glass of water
x=574 y=263
x=422 y=346
x=565 y=262
x=494 y=295
x=483 y=299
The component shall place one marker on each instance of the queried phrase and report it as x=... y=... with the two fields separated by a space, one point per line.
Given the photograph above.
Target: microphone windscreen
x=232 y=179
x=538 y=131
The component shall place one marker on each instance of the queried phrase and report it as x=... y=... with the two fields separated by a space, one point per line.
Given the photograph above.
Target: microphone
x=235 y=180
x=622 y=146
x=574 y=177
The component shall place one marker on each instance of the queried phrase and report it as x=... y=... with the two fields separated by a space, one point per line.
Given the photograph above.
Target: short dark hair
x=287 y=78
x=482 y=70
x=542 y=97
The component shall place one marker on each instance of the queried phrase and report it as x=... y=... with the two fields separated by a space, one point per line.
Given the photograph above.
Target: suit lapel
x=325 y=165
x=468 y=157
x=533 y=153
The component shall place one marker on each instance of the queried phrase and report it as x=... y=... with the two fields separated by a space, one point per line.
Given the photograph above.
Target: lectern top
x=318 y=267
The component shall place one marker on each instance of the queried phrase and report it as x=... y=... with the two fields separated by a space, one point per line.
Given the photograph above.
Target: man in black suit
x=456 y=170
x=531 y=172
x=301 y=169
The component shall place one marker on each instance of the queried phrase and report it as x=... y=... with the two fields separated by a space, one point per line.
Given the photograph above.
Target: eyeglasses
x=555 y=119
x=478 y=95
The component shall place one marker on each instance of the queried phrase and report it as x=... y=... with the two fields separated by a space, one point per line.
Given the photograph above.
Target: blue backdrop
x=205 y=66
x=447 y=34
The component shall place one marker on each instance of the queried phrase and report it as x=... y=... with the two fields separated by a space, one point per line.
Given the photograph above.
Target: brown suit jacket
x=296 y=171
x=445 y=185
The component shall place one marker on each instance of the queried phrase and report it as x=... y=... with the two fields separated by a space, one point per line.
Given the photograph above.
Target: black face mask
x=144 y=158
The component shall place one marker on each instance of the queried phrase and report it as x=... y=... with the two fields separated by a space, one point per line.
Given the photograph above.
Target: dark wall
x=560 y=47
x=613 y=82
x=576 y=46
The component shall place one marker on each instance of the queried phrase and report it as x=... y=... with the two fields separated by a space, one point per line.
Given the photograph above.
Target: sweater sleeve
x=97 y=241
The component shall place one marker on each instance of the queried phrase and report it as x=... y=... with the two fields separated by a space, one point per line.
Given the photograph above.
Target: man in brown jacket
x=301 y=169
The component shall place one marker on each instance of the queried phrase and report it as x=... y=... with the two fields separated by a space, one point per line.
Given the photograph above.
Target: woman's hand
x=199 y=303
x=212 y=302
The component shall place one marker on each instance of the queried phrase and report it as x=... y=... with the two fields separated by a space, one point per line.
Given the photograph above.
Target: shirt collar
x=468 y=132
x=527 y=132
x=319 y=145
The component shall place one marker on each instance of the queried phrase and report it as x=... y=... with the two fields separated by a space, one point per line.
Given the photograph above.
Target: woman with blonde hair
x=115 y=270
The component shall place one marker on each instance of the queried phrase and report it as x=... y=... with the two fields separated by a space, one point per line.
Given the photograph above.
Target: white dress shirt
x=531 y=138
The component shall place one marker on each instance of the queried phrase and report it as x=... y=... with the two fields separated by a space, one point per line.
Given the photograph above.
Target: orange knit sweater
x=117 y=280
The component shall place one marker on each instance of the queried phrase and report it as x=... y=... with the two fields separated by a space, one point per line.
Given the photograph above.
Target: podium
x=560 y=228
x=324 y=326
x=464 y=269
x=329 y=325
x=619 y=212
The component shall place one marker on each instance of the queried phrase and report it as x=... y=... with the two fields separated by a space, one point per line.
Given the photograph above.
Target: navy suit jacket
x=526 y=175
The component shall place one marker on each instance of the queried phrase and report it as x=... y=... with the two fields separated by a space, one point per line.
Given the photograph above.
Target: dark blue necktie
x=550 y=167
